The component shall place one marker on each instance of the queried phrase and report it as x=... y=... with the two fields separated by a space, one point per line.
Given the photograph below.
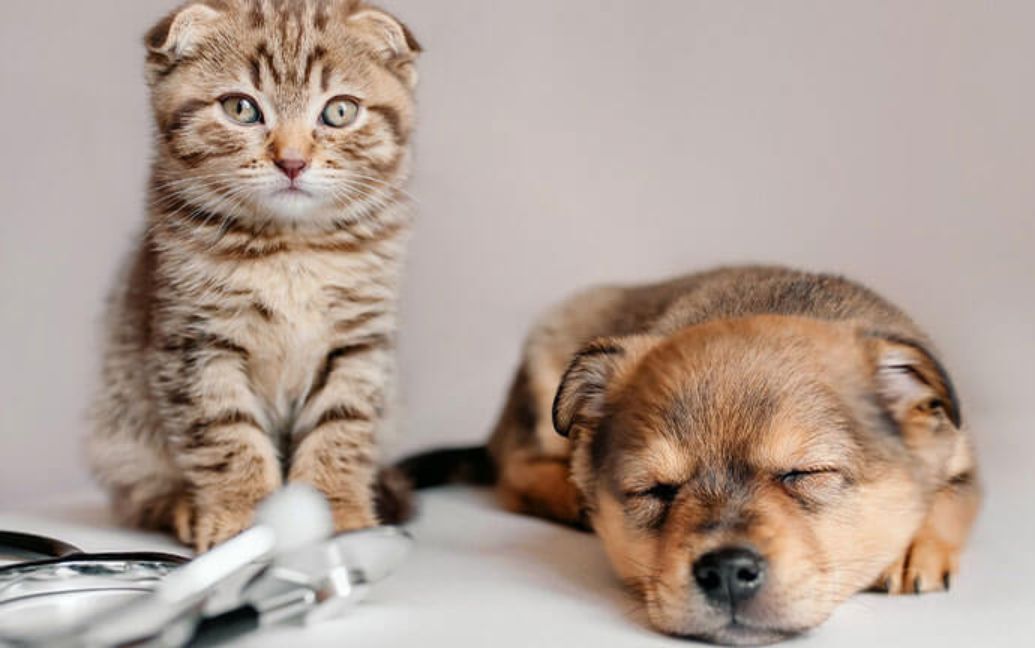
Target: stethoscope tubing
x=41 y=546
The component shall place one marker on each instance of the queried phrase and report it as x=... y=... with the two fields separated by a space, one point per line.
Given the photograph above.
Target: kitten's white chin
x=293 y=206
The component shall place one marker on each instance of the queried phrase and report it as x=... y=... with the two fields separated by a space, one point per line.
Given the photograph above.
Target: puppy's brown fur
x=798 y=415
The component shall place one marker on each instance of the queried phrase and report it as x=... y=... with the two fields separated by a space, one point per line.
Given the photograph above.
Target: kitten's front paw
x=352 y=518
x=351 y=502
x=210 y=523
x=927 y=566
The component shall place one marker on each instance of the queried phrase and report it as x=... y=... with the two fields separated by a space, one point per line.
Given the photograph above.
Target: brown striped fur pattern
x=250 y=339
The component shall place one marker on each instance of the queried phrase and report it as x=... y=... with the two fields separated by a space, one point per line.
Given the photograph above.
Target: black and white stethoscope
x=288 y=568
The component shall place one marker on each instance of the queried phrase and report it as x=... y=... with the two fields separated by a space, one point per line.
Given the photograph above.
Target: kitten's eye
x=241 y=109
x=340 y=112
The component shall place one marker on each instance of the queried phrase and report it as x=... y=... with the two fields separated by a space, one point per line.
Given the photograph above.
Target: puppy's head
x=747 y=476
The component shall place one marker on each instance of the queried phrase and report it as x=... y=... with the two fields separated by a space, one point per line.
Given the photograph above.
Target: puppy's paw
x=929 y=565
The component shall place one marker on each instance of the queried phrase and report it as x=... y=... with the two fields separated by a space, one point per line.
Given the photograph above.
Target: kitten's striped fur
x=251 y=337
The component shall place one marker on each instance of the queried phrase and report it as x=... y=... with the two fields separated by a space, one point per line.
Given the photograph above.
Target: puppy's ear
x=391 y=39
x=911 y=383
x=583 y=391
x=178 y=36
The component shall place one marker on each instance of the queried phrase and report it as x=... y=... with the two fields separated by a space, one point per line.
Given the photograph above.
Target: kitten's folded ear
x=911 y=382
x=390 y=38
x=582 y=396
x=177 y=36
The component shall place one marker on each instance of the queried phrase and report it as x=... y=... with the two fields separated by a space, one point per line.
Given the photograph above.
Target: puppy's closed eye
x=649 y=507
x=814 y=485
x=661 y=492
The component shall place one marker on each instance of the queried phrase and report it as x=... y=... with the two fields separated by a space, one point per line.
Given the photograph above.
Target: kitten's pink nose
x=291 y=164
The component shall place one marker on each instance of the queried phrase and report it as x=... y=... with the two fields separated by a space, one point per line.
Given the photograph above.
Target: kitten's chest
x=295 y=305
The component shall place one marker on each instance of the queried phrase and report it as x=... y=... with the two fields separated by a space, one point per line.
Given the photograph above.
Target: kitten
x=250 y=339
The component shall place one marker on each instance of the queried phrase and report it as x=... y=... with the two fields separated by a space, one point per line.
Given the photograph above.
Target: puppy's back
x=736 y=292
x=725 y=293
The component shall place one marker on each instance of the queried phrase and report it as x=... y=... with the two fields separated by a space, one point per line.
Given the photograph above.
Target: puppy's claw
x=890 y=582
x=927 y=566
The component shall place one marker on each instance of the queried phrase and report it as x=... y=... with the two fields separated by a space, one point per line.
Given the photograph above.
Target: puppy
x=752 y=445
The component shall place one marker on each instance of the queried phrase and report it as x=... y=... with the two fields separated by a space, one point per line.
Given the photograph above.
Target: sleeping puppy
x=753 y=446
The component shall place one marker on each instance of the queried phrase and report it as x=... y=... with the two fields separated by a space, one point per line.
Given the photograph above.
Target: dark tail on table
x=471 y=465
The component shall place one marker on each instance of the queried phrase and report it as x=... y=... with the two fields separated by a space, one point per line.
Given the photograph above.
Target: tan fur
x=251 y=337
x=717 y=386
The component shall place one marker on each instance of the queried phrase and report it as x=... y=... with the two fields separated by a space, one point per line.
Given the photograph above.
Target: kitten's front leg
x=337 y=432
x=226 y=458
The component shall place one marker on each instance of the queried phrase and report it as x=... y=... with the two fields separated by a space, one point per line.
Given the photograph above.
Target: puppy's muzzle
x=730 y=576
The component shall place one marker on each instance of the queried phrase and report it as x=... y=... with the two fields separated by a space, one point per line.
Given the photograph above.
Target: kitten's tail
x=470 y=465
x=393 y=496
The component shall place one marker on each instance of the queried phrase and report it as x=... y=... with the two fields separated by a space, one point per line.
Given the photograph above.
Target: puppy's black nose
x=729 y=576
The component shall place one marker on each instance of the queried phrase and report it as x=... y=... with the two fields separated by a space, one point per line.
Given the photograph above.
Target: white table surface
x=482 y=577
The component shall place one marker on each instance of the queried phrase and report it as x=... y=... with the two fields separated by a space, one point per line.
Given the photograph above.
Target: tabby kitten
x=251 y=337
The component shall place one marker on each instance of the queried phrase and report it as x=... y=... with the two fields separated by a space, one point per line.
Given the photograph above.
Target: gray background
x=565 y=142
x=570 y=142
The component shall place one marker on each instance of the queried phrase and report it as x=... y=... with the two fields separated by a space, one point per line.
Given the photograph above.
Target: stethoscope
x=47 y=583
x=287 y=569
